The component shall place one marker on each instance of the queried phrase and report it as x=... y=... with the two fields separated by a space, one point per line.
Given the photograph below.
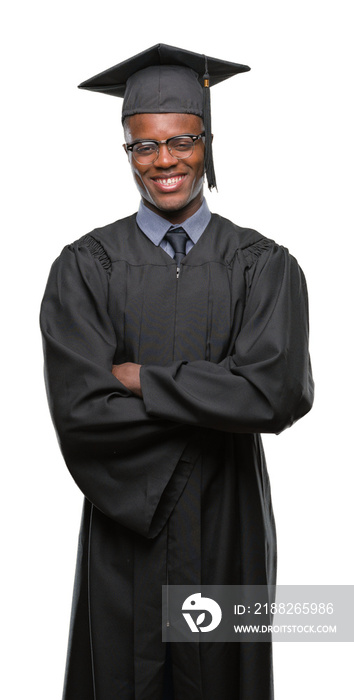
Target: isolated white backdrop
x=283 y=152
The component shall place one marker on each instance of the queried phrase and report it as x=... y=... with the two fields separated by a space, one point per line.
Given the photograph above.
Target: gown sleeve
x=121 y=458
x=265 y=384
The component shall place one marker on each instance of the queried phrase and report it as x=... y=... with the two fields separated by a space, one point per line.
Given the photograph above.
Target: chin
x=171 y=205
x=176 y=203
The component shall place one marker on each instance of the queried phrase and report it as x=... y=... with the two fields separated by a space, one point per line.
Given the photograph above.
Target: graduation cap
x=167 y=79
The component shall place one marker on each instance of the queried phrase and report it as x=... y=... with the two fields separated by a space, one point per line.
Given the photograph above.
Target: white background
x=284 y=161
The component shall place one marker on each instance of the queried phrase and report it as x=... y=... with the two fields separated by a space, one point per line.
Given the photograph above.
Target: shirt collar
x=155 y=227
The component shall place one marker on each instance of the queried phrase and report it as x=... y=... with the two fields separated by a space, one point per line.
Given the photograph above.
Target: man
x=172 y=339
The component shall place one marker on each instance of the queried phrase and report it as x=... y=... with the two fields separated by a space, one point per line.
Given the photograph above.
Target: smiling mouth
x=169 y=183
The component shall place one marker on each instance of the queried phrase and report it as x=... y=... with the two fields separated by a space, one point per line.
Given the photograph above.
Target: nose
x=165 y=159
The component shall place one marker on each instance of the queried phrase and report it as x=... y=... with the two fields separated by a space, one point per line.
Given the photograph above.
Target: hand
x=129 y=374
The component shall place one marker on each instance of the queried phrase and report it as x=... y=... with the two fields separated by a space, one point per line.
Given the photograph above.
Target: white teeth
x=170 y=180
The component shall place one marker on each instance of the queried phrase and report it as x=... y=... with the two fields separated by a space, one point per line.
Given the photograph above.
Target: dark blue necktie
x=177 y=238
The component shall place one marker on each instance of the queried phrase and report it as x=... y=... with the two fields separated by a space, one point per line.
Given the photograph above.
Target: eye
x=146 y=148
x=181 y=144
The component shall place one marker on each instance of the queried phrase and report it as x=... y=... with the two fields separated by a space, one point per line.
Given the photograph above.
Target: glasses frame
x=128 y=147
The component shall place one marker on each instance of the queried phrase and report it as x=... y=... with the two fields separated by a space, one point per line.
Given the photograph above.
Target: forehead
x=161 y=126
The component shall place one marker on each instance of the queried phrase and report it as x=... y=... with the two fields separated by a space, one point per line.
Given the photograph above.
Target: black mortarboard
x=167 y=79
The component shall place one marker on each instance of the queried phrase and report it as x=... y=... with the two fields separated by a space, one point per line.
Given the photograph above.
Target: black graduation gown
x=175 y=484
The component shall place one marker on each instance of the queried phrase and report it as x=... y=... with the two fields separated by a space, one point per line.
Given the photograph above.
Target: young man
x=172 y=339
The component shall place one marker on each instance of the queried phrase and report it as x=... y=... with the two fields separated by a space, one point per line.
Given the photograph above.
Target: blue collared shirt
x=155 y=227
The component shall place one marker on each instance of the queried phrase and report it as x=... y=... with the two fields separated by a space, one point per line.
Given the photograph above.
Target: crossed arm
x=264 y=385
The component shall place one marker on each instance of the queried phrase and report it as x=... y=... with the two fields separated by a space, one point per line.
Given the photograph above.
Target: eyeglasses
x=146 y=152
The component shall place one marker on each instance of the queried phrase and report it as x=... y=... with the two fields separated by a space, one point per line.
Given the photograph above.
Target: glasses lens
x=145 y=152
x=181 y=146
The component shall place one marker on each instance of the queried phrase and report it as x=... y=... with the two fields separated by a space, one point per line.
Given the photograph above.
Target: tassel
x=208 y=159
